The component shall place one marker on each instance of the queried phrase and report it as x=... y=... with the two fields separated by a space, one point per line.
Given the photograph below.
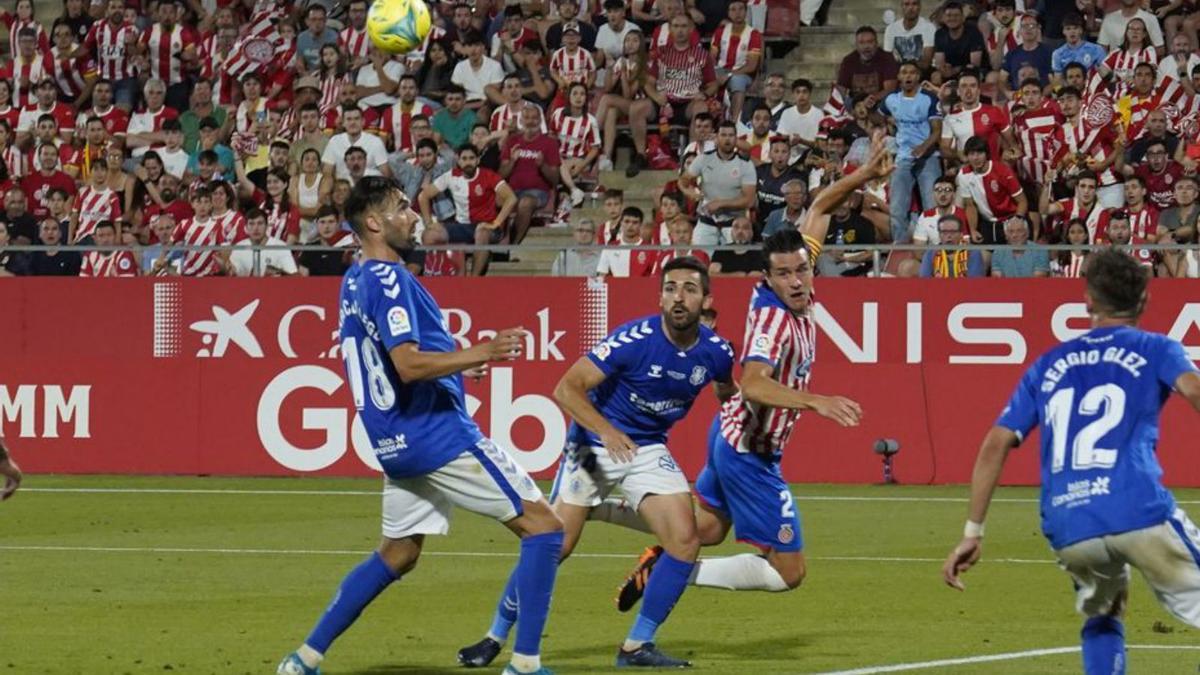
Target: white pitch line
x=990 y=658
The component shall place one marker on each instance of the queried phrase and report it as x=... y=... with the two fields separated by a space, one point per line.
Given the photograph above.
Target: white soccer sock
x=745 y=572
x=618 y=511
x=523 y=663
x=311 y=657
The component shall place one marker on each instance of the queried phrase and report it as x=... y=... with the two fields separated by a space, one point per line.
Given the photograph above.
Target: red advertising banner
x=243 y=376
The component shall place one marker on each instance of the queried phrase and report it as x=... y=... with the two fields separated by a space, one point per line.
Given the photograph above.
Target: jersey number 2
x=382 y=393
x=1107 y=401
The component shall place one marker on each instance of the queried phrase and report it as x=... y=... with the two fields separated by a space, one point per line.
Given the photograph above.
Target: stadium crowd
x=223 y=122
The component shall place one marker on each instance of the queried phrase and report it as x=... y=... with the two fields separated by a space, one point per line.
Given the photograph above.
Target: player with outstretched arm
x=742 y=486
x=623 y=398
x=1097 y=399
x=405 y=373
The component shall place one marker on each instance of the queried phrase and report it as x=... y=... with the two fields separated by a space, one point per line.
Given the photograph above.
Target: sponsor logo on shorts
x=786 y=534
x=668 y=464
x=398 y=323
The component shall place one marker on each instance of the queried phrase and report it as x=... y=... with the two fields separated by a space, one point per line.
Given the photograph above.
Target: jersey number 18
x=382 y=393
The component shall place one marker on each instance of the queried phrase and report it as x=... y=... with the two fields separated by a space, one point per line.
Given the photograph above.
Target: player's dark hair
x=1116 y=283
x=633 y=212
x=427 y=143
x=865 y=29
x=785 y=241
x=970 y=72
x=761 y=106
x=1138 y=179
x=106 y=224
x=1072 y=19
x=802 y=83
x=945 y=178
x=254 y=213
x=467 y=147
x=1031 y=82
x=1087 y=173
x=976 y=144
x=690 y=263
x=614 y=193
x=370 y=193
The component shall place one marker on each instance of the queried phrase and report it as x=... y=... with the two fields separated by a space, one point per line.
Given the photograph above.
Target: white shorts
x=587 y=475
x=1168 y=556
x=484 y=480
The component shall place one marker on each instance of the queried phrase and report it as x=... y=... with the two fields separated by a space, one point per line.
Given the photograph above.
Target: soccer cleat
x=648 y=656
x=636 y=164
x=292 y=665
x=635 y=584
x=480 y=654
x=513 y=671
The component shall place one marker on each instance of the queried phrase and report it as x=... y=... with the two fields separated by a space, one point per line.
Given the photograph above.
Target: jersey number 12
x=382 y=393
x=1108 y=402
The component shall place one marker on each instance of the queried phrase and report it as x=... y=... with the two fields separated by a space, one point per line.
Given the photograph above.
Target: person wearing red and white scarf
x=1137 y=101
x=1083 y=144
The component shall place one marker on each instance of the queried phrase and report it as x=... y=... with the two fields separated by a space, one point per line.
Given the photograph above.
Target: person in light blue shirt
x=1028 y=261
x=309 y=42
x=1075 y=49
x=1098 y=399
x=918 y=128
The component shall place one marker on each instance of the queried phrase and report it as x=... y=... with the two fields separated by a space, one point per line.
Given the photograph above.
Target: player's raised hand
x=962 y=558
x=879 y=163
x=508 y=345
x=12 y=478
x=620 y=447
x=839 y=409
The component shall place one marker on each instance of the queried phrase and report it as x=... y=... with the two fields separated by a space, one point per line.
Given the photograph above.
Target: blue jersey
x=414 y=427
x=1097 y=399
x=650 y=383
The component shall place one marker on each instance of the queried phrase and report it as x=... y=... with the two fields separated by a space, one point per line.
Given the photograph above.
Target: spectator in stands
x=534 y=73
x=230 y=221
x=353 y=37
x=1030 y=52
x=245 y=261
x=571 y=64
x=1025 y=259
x=113 y=44
x=436 y=73
x=199 y=230
x=452 y=124
x=1157 y=131
x=771 y=179
x=737 y=51
x=1184 y=214
x=952 y=260
x=578 y=136
x=610 y=38
x=96 y=203
x=169 y=49
x=1158 y=174
x=911 y=37
x=680 y=236
x=52 y=261
x=1113 y=30
x=626 y=93
x=578 y=262
x=333 y=79
x=47 y=104
x=744 y=260
x=756 y=143
x=476 y=73
x=989 y=192
x=482 y=204
x=486 y=145
x=684 y=79
x=914 y=112
x=76 y=17
x=422 y=169
x=439 y=263
x=58 y=202
x=507 y=41
x=1093 y=150
x=334 y=156
x=867 y=71
x=310 y=135
x=48 y=176
x=727 y=182
x=399 y=117
x=568 y=11
x=12 y=263
x=972 y=118
x=317 y=35
x=1180 y=63
x=623 y=262
x=614 y=204
x=529 y=163
x=108 y=263
x=210 y=142
x=1076 y=49
x=382 y=85
x=926 y=231
x=174 y=157
x=801 y=121
x=1070 y=264
x=145 y=127
x=329 y=234
x=847 y=227
x=1135 y=49
x=957 y=45
x=795 y=196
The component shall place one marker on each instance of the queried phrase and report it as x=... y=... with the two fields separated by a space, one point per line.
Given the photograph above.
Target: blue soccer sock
x=535 y=584
x=1103 y=646
x=506 y=611
x=664 y=588
x=357 y=591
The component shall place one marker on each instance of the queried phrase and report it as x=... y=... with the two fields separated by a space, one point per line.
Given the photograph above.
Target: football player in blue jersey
x=404 y=372
x=1097 y=399
x=623 y=398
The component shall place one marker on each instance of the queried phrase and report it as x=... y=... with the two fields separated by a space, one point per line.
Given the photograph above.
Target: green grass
x=873 y=596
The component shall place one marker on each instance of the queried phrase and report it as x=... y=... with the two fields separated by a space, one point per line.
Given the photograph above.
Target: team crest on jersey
x=478 y=190
x=995 y=185
x=398 y=322
x=849 y=236
x=601 y=351
x=804 y=368
x=984 y=118
x=698 y=375
x=786 y=534
x=1169 y=179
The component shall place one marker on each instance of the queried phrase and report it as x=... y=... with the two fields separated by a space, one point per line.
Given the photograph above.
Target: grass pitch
x=207 y=575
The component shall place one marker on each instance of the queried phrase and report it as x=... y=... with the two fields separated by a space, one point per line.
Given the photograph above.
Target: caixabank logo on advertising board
x=296 y=344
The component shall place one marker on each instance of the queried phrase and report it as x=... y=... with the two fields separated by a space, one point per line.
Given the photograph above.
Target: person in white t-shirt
x=272 y=262
x=1112 y=29
x=477 y=73
x=378 y=80
x=910 y=38
x=173 y=156
x=333 y=159
x=610 y=38
x=801 y=122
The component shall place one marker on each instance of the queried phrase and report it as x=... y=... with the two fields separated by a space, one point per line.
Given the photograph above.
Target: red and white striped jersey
x=397 y=122
x=1143 y=222
x=63 y=114
x=985 y=121
x=731 y=48
x=1071 y=269
x=71 y=74
x=331 y=90
x=108 y=46
x=511 y=114
x=116 y=120
x=759 y=147
x=111 y=264
x=994 y=190
x=572 y=67
x=1035 y=131
x=94 y=206
x=1095 y=217
x=232 y=226
x=475 y=197
x=147 y=121
x=1122 y=62
x=681 y=73
x=283 y=223
x=25 y=76
x=1133 y=110
x=667 y=256
x=193 y=232
x=15 y=161
x=788 y=343
x=576 y=135
x=15 y=26
x=1084 y=139
x=354 y=43
x=1010 y=41
x=164 y=48
x=661 y=37
x=12 y=115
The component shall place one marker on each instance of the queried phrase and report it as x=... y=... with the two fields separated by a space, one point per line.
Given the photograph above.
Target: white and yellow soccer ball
x=398 y=26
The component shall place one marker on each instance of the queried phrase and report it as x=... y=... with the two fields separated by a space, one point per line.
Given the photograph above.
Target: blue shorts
x=750 y=491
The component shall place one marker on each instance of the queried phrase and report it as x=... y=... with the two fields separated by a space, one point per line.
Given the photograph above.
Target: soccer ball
x=398 y=26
